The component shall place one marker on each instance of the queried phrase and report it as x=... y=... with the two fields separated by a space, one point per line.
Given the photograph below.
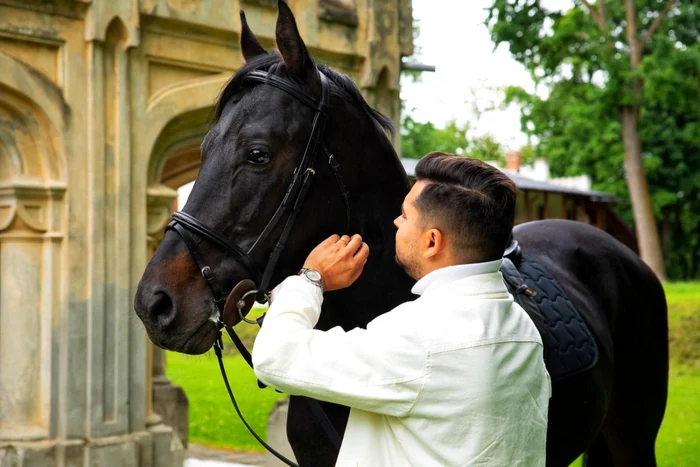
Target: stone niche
x=31 y=238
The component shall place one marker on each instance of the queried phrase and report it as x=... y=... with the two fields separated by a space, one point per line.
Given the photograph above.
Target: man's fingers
x=354 y=244
x=362 y=252
x=332 y=239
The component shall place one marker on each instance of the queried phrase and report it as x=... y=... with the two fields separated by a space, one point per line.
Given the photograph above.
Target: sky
x=468 y=70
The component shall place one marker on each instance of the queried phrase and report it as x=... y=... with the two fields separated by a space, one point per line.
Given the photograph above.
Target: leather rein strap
x=291 y=204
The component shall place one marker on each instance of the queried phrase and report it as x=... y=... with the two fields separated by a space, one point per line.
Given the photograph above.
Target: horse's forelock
x=342 y=86
x=270 y=63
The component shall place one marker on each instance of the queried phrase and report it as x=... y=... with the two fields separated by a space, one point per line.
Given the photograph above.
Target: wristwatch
x=312 y=276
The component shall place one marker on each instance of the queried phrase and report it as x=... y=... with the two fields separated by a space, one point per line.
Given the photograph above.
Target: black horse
x=611 y=412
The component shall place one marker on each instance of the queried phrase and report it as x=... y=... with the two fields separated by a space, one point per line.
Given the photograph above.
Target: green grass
x=678 y=443
x=683 y=300
x=213 y=421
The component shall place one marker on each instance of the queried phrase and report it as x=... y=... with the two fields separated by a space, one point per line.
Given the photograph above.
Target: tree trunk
x=645 y=224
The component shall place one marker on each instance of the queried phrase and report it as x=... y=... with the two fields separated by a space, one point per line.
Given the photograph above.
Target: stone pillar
x=72 y=352
x=168 y=401
x=382 y=69
x=32 y=265
x=30 y=240
x=152 y=418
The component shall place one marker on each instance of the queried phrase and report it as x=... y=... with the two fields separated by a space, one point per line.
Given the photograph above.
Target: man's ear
x=250 y=46
x=434 y=243
x=292 y=49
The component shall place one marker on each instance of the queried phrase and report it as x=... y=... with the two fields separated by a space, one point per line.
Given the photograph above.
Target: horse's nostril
x=161 y=308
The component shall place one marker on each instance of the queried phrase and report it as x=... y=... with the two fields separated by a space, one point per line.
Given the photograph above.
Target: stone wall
x=102 y=108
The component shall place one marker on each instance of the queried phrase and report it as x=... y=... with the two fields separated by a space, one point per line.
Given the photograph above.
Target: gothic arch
x=176 y=108
x=175 y=156
x=31 y=135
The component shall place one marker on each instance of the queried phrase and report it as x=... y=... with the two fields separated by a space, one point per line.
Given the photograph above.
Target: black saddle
x=569 y=346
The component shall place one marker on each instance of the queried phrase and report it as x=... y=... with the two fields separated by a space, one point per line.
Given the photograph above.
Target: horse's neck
x=383 y=284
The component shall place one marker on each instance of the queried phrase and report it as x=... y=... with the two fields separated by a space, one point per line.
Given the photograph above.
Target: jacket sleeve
x=378 y=369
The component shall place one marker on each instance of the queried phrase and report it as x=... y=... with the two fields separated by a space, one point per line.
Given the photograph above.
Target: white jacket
x=455 y=377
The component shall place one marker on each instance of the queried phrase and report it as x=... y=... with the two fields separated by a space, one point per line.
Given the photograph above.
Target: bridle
x=182 y=223
x=291 y=204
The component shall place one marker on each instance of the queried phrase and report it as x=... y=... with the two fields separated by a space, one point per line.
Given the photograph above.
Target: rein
x=182 y=223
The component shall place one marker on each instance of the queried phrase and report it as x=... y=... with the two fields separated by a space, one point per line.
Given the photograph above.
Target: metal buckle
x=241 y=304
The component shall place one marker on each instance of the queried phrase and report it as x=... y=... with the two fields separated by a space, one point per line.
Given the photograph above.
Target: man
x=455 y=377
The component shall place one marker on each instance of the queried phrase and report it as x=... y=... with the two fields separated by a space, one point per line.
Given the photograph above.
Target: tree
x=418 y=139
x=595 y=60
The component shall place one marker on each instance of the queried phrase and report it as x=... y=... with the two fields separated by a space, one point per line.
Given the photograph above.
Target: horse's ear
x=250 y=46
x=291 y=46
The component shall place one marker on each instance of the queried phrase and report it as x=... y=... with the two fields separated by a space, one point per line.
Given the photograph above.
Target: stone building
x=103 y=105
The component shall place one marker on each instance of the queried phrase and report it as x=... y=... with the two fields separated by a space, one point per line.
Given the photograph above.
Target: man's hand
x=340 y=260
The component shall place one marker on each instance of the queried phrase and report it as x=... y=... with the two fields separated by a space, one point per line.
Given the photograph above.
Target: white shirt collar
x=448 y=274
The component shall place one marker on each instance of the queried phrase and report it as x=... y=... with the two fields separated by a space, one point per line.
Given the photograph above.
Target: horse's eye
x=258 y=157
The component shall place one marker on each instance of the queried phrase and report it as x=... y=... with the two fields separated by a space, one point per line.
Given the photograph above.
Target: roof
x=528 y=184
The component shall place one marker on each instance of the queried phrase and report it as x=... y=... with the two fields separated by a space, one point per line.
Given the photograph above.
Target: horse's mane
x=272 y=63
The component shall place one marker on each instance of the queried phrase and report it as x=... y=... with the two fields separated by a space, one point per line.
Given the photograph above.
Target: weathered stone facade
x=103 y=105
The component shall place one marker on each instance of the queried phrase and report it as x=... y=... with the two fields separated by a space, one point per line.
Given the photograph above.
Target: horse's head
x=250 y=159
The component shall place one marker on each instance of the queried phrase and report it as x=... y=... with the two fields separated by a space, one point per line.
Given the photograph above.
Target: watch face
x=313 y=275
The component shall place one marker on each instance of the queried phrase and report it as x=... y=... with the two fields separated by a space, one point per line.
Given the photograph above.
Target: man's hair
x=471 y=202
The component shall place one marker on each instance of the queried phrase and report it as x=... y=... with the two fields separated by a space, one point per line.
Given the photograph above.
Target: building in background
x=103 y=106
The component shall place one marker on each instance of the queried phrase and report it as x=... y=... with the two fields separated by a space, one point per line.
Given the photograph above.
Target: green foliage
x=585 y=72
x=419 y=139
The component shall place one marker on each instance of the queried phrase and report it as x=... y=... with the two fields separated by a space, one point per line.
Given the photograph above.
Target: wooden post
x=526 y=196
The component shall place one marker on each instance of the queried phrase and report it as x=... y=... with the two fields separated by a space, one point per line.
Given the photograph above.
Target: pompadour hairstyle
x=471 y=202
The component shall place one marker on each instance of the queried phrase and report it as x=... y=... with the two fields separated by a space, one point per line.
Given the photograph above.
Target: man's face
x=408 y=236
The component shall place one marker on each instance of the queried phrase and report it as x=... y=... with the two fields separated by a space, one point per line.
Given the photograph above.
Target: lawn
x=213 y=420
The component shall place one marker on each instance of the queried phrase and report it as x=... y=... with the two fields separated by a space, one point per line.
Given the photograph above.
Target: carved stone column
x=169 y=402
x=382 y=69
x=30 y=238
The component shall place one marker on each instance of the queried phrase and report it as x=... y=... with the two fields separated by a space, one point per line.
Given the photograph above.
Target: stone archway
x=174 y=161
x=176 y=156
